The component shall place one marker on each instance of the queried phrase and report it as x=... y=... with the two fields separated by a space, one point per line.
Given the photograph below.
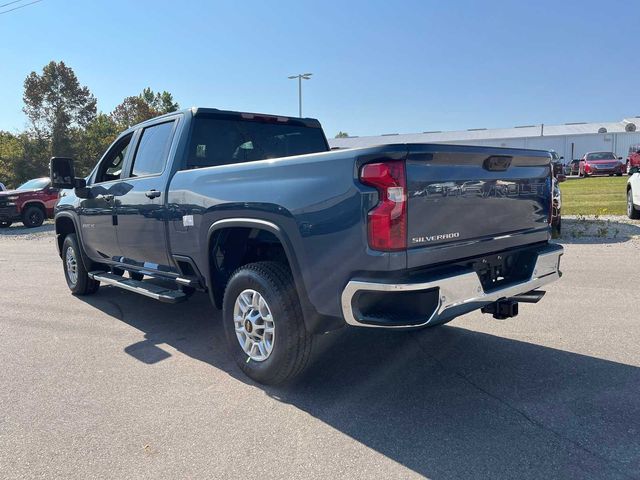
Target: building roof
x=578 y=128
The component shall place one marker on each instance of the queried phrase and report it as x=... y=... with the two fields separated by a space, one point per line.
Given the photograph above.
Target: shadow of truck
x=445 y=402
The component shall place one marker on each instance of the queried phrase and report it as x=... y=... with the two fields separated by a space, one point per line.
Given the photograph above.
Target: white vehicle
x=633 y=195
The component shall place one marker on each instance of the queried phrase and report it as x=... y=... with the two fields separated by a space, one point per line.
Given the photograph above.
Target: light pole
x=300 y=77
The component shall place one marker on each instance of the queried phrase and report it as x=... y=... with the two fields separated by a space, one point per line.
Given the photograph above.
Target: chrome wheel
x=72 y=265
x=254 y=325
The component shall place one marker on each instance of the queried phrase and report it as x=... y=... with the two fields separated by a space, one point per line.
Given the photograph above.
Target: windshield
x=216 y=141
x=36 y=184
x=601 y=156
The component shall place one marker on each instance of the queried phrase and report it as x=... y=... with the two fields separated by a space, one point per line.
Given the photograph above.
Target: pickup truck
x=31 y=203
x=292 y=240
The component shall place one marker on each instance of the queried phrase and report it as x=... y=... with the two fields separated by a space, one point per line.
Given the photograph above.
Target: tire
x=136 y=276
x=632 y=212
x=556 y=228
x=619 y=174
x=33 y=217
x=5 y=224
x=291 y=343
x=80 y=283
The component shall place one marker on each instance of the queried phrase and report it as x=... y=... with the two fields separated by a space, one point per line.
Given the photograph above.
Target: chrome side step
x=157 y=292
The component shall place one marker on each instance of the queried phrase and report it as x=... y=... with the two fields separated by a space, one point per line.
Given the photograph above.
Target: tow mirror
x=63 y=174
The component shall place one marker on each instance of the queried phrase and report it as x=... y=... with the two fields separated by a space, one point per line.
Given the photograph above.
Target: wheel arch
x=313 y=320
x=37 y=203
x=256 y=224
x=65 y=224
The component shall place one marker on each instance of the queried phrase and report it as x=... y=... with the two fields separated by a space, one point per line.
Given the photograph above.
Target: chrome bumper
x=458 y=294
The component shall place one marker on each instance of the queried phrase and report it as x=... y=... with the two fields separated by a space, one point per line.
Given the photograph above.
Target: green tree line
x=64 y=121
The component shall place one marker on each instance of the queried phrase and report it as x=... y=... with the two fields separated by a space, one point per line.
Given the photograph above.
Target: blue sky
x=379 y=66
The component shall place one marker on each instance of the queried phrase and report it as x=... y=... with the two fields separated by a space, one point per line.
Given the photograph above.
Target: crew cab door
x=97 y=212
x=141 y=210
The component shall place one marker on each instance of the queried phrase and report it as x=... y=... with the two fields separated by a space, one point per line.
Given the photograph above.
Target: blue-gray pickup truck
x=291 y=239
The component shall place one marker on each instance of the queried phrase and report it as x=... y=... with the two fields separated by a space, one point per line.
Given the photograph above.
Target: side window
x=153 y=150
x=111 y=166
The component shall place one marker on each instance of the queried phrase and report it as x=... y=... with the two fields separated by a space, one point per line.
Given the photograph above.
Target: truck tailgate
x=460 y=197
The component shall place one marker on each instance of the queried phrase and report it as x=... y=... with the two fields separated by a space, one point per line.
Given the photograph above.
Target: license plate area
x=500 y=270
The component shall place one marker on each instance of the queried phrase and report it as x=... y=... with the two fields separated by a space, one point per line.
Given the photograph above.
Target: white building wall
x=618 y=143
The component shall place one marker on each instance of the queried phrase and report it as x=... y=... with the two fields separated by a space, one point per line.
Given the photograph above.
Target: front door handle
x=153 y=193
x=107 y=197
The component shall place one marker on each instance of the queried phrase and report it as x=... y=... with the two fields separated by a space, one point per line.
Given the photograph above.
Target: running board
x=157 y=292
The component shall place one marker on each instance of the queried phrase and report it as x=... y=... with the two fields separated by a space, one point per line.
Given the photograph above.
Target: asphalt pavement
x=119 y=386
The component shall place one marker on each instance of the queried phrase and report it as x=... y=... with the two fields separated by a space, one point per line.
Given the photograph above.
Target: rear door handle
x=152 y=194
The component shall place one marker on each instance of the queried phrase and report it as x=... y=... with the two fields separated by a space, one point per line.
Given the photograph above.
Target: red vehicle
x=600 y=163
x=633 y=160
x=31 y=203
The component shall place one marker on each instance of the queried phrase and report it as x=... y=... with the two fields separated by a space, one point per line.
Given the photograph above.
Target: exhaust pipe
x=508 y=307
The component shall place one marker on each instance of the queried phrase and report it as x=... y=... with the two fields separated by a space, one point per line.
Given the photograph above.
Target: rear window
x=216 y=141
x=601 y=156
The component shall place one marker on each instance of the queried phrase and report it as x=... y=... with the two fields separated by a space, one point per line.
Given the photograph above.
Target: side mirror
x=63 y=174
x=619 y=158
x=562 y=158
x=561 y=177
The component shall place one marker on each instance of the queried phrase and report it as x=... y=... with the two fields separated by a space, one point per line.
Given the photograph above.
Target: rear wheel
x=263 y=322
x=33 y=217
x=5 y=224
x=632 y=211
x=75 y=274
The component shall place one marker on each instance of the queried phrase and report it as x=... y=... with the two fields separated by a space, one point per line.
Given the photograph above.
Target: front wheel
x=632 y=211
x=33 y=217
x=74 y=272
x=263 y=322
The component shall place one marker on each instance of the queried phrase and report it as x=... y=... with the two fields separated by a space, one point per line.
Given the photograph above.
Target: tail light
x=387 y=221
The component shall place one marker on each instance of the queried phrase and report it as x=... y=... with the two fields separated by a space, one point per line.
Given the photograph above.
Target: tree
x=342 y=134
x=90 y=143
x=161 y=102
x=147 y=105
x=11 y=151
x=55 y=102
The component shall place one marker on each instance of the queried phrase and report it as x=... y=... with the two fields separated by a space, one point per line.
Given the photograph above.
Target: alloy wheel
x=254 y=325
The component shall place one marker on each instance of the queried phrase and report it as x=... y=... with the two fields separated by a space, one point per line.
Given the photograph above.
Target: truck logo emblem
x=435 y=238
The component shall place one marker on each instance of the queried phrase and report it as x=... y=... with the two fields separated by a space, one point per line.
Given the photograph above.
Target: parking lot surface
x=119 y=386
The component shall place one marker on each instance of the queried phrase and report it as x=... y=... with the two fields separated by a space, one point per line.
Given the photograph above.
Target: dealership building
x=571 y=140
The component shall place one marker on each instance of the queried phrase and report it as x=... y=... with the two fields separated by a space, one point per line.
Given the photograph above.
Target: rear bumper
x=452 y=295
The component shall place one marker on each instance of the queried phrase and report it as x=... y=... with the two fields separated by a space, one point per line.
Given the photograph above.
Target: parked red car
x=31 y=203
x=600 y=163
x=633 y=159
